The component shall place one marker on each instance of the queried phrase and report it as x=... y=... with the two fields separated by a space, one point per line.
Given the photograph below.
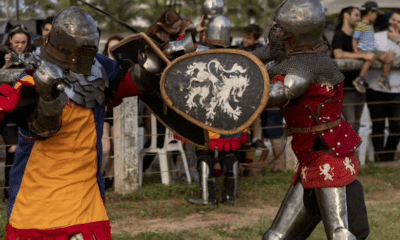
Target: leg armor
x=230 y=168
x=206 y=162
x=333 y=206
x=293 y=221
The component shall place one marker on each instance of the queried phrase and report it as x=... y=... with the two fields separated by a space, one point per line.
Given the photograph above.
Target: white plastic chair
x=170 y=145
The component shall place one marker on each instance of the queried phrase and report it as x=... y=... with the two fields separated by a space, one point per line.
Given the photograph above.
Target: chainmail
x=274 y=50
x=318 y=68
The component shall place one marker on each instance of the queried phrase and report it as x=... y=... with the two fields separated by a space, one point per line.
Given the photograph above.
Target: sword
x=110 y=16
x=16 y=56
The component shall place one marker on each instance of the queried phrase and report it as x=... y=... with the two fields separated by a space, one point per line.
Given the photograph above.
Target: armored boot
x=293 y=221
x=207 y=181
x=230 y=168
x=333 y=206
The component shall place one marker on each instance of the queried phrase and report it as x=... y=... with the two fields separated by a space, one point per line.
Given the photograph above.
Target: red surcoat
x=336 y=167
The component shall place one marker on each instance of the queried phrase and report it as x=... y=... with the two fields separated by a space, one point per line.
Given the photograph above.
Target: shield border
x=258 y=111
x=143 y=36
x=157 y=49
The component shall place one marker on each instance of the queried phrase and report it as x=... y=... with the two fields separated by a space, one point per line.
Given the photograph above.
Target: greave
x=207 y=184
x=333 y=206
x=230 y=165
x=293 y=221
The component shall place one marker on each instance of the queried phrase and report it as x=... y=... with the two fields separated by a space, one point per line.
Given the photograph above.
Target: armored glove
x=48 y=82
x=11 y=96
x=184 y=45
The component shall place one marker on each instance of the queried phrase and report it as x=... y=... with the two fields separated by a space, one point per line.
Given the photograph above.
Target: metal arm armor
x=293 y=86
x=46 y=120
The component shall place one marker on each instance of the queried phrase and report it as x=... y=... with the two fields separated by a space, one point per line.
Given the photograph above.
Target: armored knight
x=56 y=187
x=218 y=36
x=308 y=87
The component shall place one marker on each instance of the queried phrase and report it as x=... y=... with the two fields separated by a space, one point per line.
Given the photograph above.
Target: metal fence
x=129 y=138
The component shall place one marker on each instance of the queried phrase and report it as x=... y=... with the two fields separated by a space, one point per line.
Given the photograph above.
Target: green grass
x=154 y=200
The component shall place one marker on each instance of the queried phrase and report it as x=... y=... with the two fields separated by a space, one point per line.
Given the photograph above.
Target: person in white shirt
x=382 y=103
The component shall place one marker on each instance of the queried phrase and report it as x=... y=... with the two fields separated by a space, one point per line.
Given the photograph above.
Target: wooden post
x=126 y=150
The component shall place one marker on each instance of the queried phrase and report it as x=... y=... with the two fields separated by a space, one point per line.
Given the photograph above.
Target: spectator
x=19 y=41
x=342 y=49
x=384 y=104
x=363 y=41
x=46 y=27
x=107 y=167
x=251 y=37
x=110 y=43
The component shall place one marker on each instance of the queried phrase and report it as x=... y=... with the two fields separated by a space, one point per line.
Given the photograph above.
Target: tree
x=243 y=12
x=28 y=9
x=124 y=10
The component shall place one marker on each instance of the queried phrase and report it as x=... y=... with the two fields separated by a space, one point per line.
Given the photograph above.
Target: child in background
x=251 y=37
x=364 y=41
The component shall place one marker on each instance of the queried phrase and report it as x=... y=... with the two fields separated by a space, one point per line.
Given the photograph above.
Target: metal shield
x=221 y=90
x=132 y=50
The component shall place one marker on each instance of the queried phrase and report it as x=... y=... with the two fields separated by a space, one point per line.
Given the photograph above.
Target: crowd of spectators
x=382 y=102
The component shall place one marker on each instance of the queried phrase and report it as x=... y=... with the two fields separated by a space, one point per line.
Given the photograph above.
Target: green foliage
x=122 y=236
x=157 y=191
x=243 y=12
x=3 y=222
x=123 y=10
x=157 y=236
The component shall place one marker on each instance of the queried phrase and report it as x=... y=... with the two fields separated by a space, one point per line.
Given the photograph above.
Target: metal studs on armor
x=339 y=144
x=333 y=149
x=331 y=131
x=337 y=154
x=345 y=135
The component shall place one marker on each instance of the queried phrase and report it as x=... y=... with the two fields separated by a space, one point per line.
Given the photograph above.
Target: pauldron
x=292 y=87
x=87 y=91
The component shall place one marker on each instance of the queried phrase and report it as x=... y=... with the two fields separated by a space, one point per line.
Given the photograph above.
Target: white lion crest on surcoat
x=204 y=83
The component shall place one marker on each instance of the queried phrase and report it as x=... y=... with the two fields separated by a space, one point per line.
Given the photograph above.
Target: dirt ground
x=242 y=217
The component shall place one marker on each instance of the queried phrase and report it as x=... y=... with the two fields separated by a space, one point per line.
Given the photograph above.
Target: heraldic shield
x=221 y=90
x=141 y=53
